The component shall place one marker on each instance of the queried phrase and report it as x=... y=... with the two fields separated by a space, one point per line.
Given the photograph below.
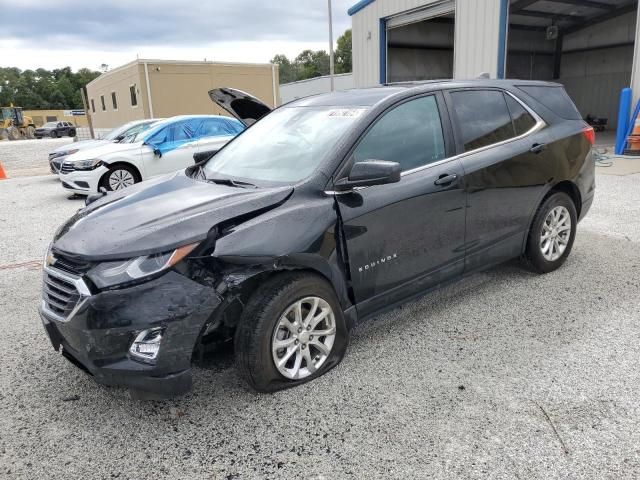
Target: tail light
x=589 y=134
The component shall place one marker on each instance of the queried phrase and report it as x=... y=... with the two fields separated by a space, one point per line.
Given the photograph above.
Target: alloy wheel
x=120 y=179
x=555 y=234
x=303 y=337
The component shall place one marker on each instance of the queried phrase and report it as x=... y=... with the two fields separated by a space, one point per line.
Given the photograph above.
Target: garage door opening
x=585 y=45
x=420 y=45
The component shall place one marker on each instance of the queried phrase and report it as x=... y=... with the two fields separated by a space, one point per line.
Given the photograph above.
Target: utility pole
x=331 y=65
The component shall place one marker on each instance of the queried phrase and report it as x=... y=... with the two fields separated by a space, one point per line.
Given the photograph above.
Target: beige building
x=164 y=88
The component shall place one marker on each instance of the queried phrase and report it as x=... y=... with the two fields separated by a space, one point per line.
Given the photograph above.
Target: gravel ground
x=503 y=375
x=24 y=158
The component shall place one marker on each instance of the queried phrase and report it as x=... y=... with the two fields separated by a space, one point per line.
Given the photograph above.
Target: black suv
x=326 y=211
x=56 y=130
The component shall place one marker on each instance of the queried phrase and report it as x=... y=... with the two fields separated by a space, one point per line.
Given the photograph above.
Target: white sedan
x=114 y=136
x=166 y=147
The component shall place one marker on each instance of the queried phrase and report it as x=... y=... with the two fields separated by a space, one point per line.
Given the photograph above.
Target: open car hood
x=245 y=107
x=158 y=215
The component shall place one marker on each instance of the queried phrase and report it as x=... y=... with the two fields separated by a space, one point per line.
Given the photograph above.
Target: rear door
x=405 y=237
x=503 y=147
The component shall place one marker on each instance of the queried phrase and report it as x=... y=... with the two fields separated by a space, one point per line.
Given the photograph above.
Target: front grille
x=69 y=265
x=55 y=166
x=62 y=286
x=59 y=293
x=66 y=168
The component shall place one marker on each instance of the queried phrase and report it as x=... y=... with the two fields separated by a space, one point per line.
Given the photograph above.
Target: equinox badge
x=378 y=262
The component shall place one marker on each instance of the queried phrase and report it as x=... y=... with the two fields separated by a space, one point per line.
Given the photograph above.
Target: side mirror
x=369 y=172
x=203 y=157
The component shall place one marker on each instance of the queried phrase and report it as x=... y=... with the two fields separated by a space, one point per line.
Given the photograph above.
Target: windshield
x=127 y=129
x=134 y=134
x=285 y=146
x=50 y=125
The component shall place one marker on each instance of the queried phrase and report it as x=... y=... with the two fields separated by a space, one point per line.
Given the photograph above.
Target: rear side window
x=522 y=120
x=483 y=117
x=555 y=99
x=410 y=134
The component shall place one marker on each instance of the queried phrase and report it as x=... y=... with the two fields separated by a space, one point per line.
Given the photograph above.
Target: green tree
x=312 y=64
x=343 y=53
x=286 y=68
x=42 y=89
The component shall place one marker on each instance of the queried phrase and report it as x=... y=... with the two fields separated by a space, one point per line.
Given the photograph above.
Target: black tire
x=258 y=322
x=72 y=133
x=533 y=258
x=104 y=181
x=53 y=134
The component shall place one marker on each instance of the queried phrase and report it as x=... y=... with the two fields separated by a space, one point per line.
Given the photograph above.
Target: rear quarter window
x=555 y=99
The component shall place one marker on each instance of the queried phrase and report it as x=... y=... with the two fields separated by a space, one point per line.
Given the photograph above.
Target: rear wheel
x=53 y=134
x=31 y=132
x=291 y=331
x=552 y=234
x=72 y=132
x=119 y=177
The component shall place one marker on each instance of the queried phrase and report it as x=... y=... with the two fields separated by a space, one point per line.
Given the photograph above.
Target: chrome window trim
x=539 y=125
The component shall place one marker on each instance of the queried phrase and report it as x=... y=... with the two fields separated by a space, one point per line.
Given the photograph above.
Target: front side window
x=410 y=134
x=177 y=132
x=483 y=117
x=285 y=146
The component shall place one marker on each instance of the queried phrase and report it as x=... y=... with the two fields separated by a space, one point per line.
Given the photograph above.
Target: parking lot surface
x=25 y=158
x=503 y=375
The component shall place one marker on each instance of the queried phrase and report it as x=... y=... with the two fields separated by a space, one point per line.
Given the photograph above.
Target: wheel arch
x=119 y=163
x=570 y=189
x=565 y=186
x=237 y=288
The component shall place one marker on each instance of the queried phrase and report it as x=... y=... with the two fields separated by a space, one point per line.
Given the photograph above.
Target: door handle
x=445 y=179
x=538 y=147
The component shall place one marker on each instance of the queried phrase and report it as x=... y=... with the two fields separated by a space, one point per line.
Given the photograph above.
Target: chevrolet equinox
x=325 y=211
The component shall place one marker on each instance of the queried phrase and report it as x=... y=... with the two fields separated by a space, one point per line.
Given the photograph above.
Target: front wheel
x=552 y=234
x=72 y=133
x=118 y=177
x=291 y=331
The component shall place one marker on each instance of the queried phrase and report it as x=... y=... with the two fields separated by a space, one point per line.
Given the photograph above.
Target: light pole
x=330 y=46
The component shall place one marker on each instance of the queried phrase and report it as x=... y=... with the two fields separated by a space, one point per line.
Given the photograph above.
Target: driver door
x=403 y=238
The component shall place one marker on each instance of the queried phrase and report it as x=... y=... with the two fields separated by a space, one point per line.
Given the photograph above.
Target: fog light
x=147 y=345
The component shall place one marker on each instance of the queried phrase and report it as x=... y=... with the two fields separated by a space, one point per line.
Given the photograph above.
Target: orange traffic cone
x=3 y=174
x=633 y=140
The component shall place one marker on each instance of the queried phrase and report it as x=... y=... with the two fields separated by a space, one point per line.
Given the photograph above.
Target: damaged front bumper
x=99 y=328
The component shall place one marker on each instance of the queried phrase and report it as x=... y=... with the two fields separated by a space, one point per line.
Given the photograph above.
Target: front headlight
x=86 y=164
x=111 y=274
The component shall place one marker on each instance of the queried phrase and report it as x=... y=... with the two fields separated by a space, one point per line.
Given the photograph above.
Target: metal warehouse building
x=164 y=88
x=587 y=45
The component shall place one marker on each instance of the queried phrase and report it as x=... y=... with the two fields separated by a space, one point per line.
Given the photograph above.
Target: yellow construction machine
x=14 y=125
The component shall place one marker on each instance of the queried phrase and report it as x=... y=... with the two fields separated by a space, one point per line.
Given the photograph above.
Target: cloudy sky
x=88 y=33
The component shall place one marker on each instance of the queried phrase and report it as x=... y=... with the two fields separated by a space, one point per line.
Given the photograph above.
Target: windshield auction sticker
x=346 y=112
